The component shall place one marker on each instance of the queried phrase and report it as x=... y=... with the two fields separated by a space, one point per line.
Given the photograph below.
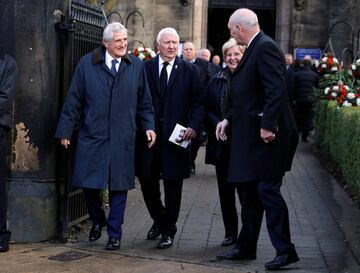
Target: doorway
x=218 y=18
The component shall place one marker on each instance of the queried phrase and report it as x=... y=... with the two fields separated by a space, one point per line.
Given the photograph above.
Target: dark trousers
x=164 y=215
x=255 y=198
x=117 y=203
x=4 y=233
x=227 y=200
x=304 y=114
x=194 y=149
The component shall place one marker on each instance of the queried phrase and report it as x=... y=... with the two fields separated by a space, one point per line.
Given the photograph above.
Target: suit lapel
x=155 y=73
x=175 y=71
x=249 y=49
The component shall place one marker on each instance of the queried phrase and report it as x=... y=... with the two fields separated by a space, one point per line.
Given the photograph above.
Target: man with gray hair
x=263 y=141
x=107 y=97
x=178 y=99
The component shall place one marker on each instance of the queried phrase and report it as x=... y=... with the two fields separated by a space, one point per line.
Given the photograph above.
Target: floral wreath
x=343 y=94
x=328 y=64
x=355 y=69
x=143 y=53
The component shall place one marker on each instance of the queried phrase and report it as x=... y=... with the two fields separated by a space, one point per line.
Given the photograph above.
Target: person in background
x=177 y=98
x=217 y=152
x=8 y=83
x=216 y=60
x=205 y=54
x=189 y=54
x=262 y=143
x=304 y=81
x=110 y=90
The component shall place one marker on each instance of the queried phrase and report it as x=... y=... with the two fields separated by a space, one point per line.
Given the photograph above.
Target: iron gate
x=80 y=33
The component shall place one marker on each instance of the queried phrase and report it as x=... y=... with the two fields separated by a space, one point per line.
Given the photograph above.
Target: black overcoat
x=184 y=104
x=259 y=100
x=108 y=107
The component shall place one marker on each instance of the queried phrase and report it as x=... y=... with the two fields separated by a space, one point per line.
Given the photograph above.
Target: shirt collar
x=252 y=38
x=171 y=63
x=109 y=58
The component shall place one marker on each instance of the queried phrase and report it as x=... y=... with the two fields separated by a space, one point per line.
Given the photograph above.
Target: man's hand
x=189 y=134
x=266 y=135
x=151 y=138
x=220 y=130
x=65 y=142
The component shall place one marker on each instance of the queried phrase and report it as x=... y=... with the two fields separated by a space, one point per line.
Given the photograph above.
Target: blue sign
x=315 y=53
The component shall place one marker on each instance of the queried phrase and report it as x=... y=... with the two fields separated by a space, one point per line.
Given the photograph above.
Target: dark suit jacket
x=259 y=100
x=204 y=71
x=216 y=150
x=184 y=104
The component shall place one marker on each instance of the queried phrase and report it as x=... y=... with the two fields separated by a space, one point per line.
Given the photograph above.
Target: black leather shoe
x=113 y=244
x=235 y=254
x=4 y=247
x=228 y=241
x=153 y=232
x=165 y=242
x=95 y=232
x=282 y=260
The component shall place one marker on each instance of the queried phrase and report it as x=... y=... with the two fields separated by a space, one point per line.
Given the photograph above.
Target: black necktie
x=113 y=67
x=163 y=79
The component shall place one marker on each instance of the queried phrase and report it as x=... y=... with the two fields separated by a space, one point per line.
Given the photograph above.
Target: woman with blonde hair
x=217 y=152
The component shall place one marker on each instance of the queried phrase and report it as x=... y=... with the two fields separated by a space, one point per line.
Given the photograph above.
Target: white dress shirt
x=108 y=60
x=252 y=39
x=168 y=68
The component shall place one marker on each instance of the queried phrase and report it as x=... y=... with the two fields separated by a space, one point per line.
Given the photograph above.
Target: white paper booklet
x=177 y=134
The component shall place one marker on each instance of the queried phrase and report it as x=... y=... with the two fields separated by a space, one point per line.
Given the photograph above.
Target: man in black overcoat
x=177 y=98
x=263 y=141
x=189 y=54
x=8 y=79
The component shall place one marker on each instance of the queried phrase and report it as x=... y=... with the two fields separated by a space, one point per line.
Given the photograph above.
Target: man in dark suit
x=177 y=98
x=263 y=141
x=205 y=54
x=189 y=54
x=8 y=79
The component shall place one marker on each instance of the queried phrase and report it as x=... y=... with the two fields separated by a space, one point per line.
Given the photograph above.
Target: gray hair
x=245 y=18
x=229 y=44
x=112 y=27
x=167 y=30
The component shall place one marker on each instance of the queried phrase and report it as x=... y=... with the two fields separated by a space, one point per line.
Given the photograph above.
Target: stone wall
x=310 y=24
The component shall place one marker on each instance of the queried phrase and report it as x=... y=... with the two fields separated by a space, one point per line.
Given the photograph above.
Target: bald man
x=263 y=141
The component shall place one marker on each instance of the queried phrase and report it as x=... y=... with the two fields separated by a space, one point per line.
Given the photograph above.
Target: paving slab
x=325 y=227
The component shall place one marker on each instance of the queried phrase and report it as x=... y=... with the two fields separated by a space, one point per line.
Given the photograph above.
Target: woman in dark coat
x=217 y=152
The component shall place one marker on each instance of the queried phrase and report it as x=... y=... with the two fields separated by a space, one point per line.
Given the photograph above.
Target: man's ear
x=105 y=43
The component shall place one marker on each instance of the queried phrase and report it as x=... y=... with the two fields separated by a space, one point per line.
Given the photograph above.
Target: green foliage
x=328 y=80
x=338 y=134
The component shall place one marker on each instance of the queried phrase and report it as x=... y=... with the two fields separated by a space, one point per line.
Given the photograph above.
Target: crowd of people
x=127 y=109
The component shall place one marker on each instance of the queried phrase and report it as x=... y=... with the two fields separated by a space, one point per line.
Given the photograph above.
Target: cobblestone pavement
x=325 y=227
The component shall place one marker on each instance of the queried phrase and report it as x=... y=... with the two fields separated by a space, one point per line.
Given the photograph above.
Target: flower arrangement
x=143 y=53
x=328 y=64
x=355 y=69
x=343 y=94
